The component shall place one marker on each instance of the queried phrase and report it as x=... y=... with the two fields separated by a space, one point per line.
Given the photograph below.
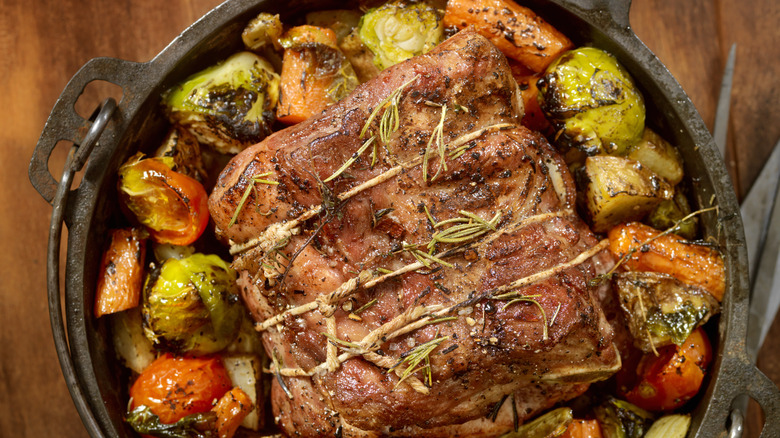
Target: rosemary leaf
x=412 y=359
x=393 y=99
x=249 y=188
x=365 y=306
x=351 y=159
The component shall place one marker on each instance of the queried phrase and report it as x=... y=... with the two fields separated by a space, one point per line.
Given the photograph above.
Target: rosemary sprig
x=469 y=226
x=351 y=159
x=424 y=257
x=390 y=120
x=365 y=306
x=342 y=343
x=254 y=180
x=516 y=297
x=437 y=138
x=412 y=358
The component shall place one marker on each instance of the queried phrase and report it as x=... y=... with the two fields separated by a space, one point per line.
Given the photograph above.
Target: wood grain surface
x=44 y=42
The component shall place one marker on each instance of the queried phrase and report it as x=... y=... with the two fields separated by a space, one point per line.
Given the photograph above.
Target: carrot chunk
x=517 y=31
x=231 y=410
x=693 y=264
x=121 y=272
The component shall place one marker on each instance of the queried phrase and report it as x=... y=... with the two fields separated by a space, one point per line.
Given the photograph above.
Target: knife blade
x=761 y=218
x=720 y=128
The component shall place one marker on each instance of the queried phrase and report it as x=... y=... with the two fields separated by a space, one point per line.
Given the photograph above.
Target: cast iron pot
x=95 y=379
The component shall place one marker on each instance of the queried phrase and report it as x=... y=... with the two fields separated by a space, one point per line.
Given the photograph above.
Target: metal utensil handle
x=76 y=159
x=65 y=124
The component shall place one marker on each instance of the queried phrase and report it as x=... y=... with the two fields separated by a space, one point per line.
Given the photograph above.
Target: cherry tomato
x=171 y=205
x=174 y=387
x=673 y=377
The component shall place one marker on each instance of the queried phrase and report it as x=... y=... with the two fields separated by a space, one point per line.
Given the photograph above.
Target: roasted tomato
x=673 y=377
x=171 y=205
x=174 y=387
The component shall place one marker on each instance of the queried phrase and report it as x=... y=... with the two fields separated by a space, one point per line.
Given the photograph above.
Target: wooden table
x=43 y=43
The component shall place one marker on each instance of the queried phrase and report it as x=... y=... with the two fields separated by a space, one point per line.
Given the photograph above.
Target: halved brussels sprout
x=228 y=106
x=397 y=31
x=191 y=305
x=591 y=99
x=671 y=211
x=621 y=419
x=263 y=30
x=660 y=309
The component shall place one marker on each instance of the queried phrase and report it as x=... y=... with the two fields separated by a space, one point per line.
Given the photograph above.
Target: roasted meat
x=428 y=279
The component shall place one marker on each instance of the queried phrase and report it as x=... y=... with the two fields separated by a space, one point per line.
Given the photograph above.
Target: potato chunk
x=617 y=190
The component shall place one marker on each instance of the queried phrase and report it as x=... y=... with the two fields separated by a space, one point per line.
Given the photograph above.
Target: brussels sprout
x=661 y=310
x=671 y=211
x=191 y=305
x=621 y=419
x=591 y=99
x=553 y=423
x=182 y=145
x=228 y=106
x=397 y=31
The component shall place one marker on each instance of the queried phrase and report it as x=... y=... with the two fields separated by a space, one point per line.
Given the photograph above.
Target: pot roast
x=428 y=279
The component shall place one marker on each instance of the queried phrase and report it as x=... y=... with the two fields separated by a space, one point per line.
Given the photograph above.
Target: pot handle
x=65 y=124
x=765 y=392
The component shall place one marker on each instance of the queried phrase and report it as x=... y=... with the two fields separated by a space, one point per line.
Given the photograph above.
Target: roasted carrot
x=517 y=31
x=583 y=429
x=645 y=249
x=533 y=117
x=231 y=410
x=312 y=67
x=121 y=272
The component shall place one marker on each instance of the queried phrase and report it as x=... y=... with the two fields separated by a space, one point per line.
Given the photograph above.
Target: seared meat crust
x=521 y=317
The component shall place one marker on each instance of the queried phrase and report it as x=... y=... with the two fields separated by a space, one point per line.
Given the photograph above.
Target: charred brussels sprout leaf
x=553 y=423
x=670 y=211
x=228 y=106
x=593 y=102
x=398 y=31
x=621 y=419
x=202 y=425
x=660 y=309
x=191 y=305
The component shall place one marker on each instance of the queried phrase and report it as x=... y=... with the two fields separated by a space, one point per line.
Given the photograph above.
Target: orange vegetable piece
x=174 y=387
x=121 y=272
x=231 y=410
x=673 y=377
x=690 y=263
x=534 y=117
x=583 y=429
x=305 y=84
x=517 y=31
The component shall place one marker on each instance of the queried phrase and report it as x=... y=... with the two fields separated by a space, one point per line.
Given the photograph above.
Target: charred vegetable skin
x=593 y=102
x=172 y=206
x=660 y=309
x=228 y=106
x=191 y=305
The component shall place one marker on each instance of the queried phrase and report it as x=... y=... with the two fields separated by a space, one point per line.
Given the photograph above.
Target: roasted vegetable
x=191 y=305
x=670 y=426
x=121 y=272
x=583 y=429
x=130 y=343
x=175 y=387
x=172 y=206
x=228 y=106
x=397 y=31
x=646 y=249
x=246 y=372
x=658 y=155
x=674 y=376
x=621 y=419
x=182 y=145
x=551 y=424
x=264 y=30
x=615 y=190
x=593 y=102
x=231 y=409
x=517 y=31
x=669 y=212
x=660 y=309
x=200 y=425
x=315 y=74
